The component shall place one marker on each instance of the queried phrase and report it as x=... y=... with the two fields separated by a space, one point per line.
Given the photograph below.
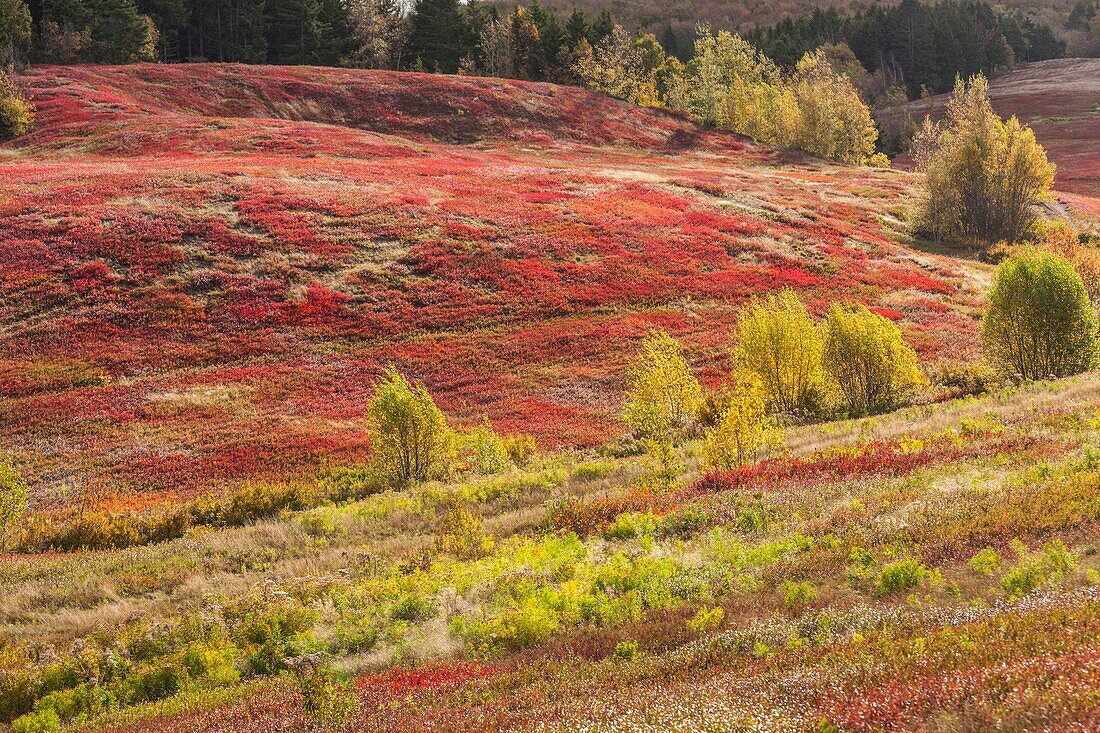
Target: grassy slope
x=935 y=484
x=204 y=267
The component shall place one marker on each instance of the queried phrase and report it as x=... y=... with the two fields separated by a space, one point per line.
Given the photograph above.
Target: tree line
x=921 y=46
x=915 y=44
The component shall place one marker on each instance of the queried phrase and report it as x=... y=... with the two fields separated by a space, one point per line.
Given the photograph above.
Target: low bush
x=632 y=525
x=900 y=576
x=706 y=619
x=593 y=470
x=625 y=651
x=462 y=535
x=1039 y=323
x=16 y=113
x=351 y=482
x=328 y=700
x=1036 y=569
x=39 y=721
x=797 y=595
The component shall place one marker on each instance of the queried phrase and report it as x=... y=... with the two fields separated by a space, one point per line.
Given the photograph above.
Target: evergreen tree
x=576 y=28
x=440 y=36
x=15 y=32
x=602 y=28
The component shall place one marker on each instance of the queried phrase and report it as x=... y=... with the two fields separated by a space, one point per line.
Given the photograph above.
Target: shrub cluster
x=16 y=113
x=856 y=355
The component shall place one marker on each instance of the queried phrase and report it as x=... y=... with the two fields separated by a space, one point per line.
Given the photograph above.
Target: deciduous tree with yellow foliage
x=984 y=175
x=742 y=430
x=868 y=360
x=778 y=342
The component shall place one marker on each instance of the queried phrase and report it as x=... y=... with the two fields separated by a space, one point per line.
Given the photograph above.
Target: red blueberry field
x=205 y=270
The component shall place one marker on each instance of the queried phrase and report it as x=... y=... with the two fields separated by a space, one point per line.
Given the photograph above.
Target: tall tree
x=15 y=32
x=440 y=36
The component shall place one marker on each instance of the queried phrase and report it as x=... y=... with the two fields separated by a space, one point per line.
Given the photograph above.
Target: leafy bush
x=413 y=608
x=901 y=575
x=409 y=435
x=351 y=482
x=625 y=651
x=461 y=534
x=261 y=500
x=1036 y=569
x=986 y=562
x=984 y=176
x=824 y=114
x=779 y=344
x=214 y=663
x=965 y=379
x=706 y=619
x=1039 y=323
x=39 y=721
x=662 y=394
x=796 y=595
x=627 y=526
x=868 y=360
x=486 y=452
x=13 y=499
x=520 y=448
x=328 y=700
x=16 y=113
x=593 y=470
x=742 y=430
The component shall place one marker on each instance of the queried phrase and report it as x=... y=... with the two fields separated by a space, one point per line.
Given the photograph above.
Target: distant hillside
x=203 y=268
x=683 y=15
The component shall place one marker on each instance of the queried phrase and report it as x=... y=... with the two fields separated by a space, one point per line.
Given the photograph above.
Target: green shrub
x=39 y=721
x=684 y=523
x=965 y=379
x=16 y=113
x=1039 y=323
x=742 y=431
x=662 y=394
x=485 y=451
x=18 y=690
x=867 y=359
x=409 y=435
x=351 y=482
x=797 y=595
x=216 y=664
x=413 y=608
x=13 y=499
x=328 y=700
x=593 y=470
x=262 y=500
x=157 y=683
x=625 y=651
x=984 y=176
x=632 y=524
x=461 y=533
x=901 y=575
x=520 y=448
x=1036 y=569
x=706 y=619
x=778 y=342
x=986 y=562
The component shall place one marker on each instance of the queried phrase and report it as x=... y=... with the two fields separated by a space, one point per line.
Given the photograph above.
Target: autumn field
x=205 y=271
x=201 y=279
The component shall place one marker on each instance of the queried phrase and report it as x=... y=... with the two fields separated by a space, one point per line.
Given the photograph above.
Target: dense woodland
x=913 y=44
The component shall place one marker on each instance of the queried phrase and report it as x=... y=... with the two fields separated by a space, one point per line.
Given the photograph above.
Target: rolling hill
x=205 y=267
